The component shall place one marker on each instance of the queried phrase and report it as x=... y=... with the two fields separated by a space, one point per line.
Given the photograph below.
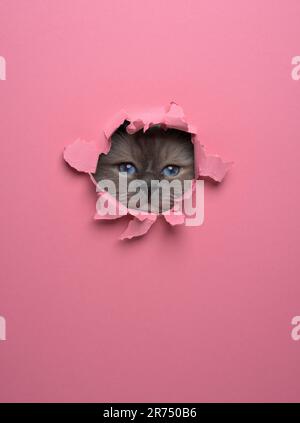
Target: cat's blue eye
x=170 y=171
x=127 y=168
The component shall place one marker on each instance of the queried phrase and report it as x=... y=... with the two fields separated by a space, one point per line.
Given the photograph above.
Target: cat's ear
x=122 y=128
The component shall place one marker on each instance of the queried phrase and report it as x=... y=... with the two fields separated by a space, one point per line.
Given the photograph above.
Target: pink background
x=184 y=314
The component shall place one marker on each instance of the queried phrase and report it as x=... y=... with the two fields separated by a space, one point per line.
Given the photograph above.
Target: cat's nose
x=150 y=186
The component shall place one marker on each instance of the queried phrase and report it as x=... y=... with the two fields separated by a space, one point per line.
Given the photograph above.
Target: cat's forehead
x=156 y=144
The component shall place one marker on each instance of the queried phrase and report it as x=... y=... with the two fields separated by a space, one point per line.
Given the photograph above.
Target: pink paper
x=137 y=227
x=82 y=155
x=212 y=166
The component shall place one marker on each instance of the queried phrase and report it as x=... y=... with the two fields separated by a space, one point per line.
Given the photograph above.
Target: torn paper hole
x=148 y=150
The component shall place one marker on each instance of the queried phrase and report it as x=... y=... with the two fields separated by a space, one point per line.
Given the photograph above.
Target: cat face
x=156 y=155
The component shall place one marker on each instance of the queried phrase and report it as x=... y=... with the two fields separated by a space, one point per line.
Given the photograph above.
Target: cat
x=159 y=154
